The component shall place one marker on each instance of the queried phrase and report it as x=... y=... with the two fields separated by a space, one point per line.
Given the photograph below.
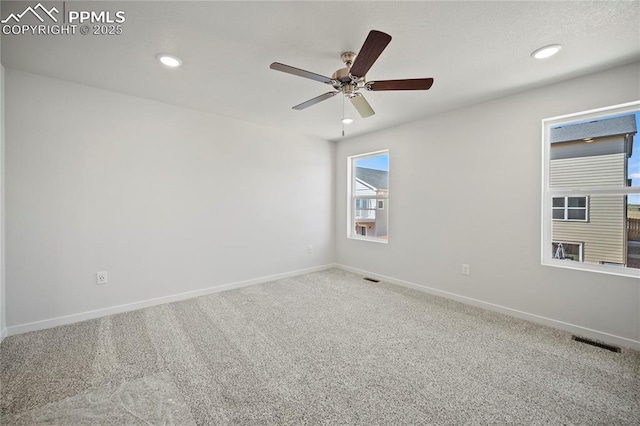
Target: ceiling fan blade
x=373 y=46
x=406 y=84
x=315 y=100
x=301 y=73
x=362 y=106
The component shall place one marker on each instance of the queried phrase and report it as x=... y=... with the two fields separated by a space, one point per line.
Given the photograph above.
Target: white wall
x=3 y=322
x=167 y=200
x=170 y=200
x=465 y=187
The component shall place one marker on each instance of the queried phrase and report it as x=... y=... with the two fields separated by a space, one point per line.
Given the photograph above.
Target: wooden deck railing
x=633 y=229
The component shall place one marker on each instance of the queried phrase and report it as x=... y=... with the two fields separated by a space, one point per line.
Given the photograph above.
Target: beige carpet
x=324 y=348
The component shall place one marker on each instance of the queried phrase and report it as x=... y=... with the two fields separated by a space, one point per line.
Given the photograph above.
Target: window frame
x=566 y=209
x=548 y=193
x=352 y=232
x=580 y=248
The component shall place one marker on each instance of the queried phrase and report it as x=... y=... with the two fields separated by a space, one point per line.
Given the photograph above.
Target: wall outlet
x=101 y=277
x=309 y=249
x=465 y=269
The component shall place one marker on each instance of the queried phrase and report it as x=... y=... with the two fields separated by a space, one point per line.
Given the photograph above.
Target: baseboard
x=69 y=319
x=3 y=334
x=572 y=328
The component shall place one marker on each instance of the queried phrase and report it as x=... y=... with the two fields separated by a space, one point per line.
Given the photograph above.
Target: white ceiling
x=475 y=51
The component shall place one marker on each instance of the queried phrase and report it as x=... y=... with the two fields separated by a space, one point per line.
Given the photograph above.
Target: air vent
x=596 y=344
x=373 y=280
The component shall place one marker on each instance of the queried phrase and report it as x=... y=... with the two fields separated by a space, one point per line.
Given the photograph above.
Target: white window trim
x=566 y=209
x=580 y=246
x=351 y=233
x=548 y=193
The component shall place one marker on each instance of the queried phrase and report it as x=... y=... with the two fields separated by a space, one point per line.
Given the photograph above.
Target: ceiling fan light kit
x=351 y=79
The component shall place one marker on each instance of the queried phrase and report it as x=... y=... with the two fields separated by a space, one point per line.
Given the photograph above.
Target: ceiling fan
x=351 y=79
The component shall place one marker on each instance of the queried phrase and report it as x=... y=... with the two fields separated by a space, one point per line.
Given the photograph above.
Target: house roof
x=595 y=129
x=378 y=179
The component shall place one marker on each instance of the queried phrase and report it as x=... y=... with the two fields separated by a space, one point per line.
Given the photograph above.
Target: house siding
x=585 y=172
x=603 y=235
x=381 y=214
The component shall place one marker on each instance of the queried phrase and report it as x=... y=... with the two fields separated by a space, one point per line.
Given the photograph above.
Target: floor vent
x=373 y=280
x=597 y=344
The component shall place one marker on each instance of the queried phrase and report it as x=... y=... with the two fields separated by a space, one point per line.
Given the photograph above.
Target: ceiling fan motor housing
x=341 y=75
x=344 y=81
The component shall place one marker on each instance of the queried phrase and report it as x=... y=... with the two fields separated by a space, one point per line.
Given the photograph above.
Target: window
x=570 y=208
x=591 y=190
x=567 y=251
x=368 y=180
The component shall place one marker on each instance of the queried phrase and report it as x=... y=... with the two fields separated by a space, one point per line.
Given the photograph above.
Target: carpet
x=322 y=348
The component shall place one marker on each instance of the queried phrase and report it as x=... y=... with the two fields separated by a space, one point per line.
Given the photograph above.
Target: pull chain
x=342 y=120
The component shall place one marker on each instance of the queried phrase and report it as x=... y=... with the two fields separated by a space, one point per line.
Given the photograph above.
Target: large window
x=368 y=215
x=591 y=190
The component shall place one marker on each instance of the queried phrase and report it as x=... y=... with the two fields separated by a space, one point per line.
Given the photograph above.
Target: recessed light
x=347 y=120
x=169 y=60
x=546 y=51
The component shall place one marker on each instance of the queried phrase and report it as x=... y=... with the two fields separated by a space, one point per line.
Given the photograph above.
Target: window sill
x=588 y=267
x=370 y=239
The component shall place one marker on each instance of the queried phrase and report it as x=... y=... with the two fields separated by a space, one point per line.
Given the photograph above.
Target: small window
x=368 y=196
x=567 y=251
x=570 y=208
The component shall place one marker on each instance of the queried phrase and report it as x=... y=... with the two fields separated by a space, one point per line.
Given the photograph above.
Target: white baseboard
x=69 y=319
x=572 y=328
x=3 y=334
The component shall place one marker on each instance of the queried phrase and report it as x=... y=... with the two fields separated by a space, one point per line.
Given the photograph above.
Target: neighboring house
x=591 y=228
x=371 y=210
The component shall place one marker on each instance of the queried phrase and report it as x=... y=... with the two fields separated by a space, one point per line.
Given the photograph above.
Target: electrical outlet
x=309 y=249
x=465 y=269
x=101 y=277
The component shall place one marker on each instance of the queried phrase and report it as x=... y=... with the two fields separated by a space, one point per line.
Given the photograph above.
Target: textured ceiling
x=474 y=50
